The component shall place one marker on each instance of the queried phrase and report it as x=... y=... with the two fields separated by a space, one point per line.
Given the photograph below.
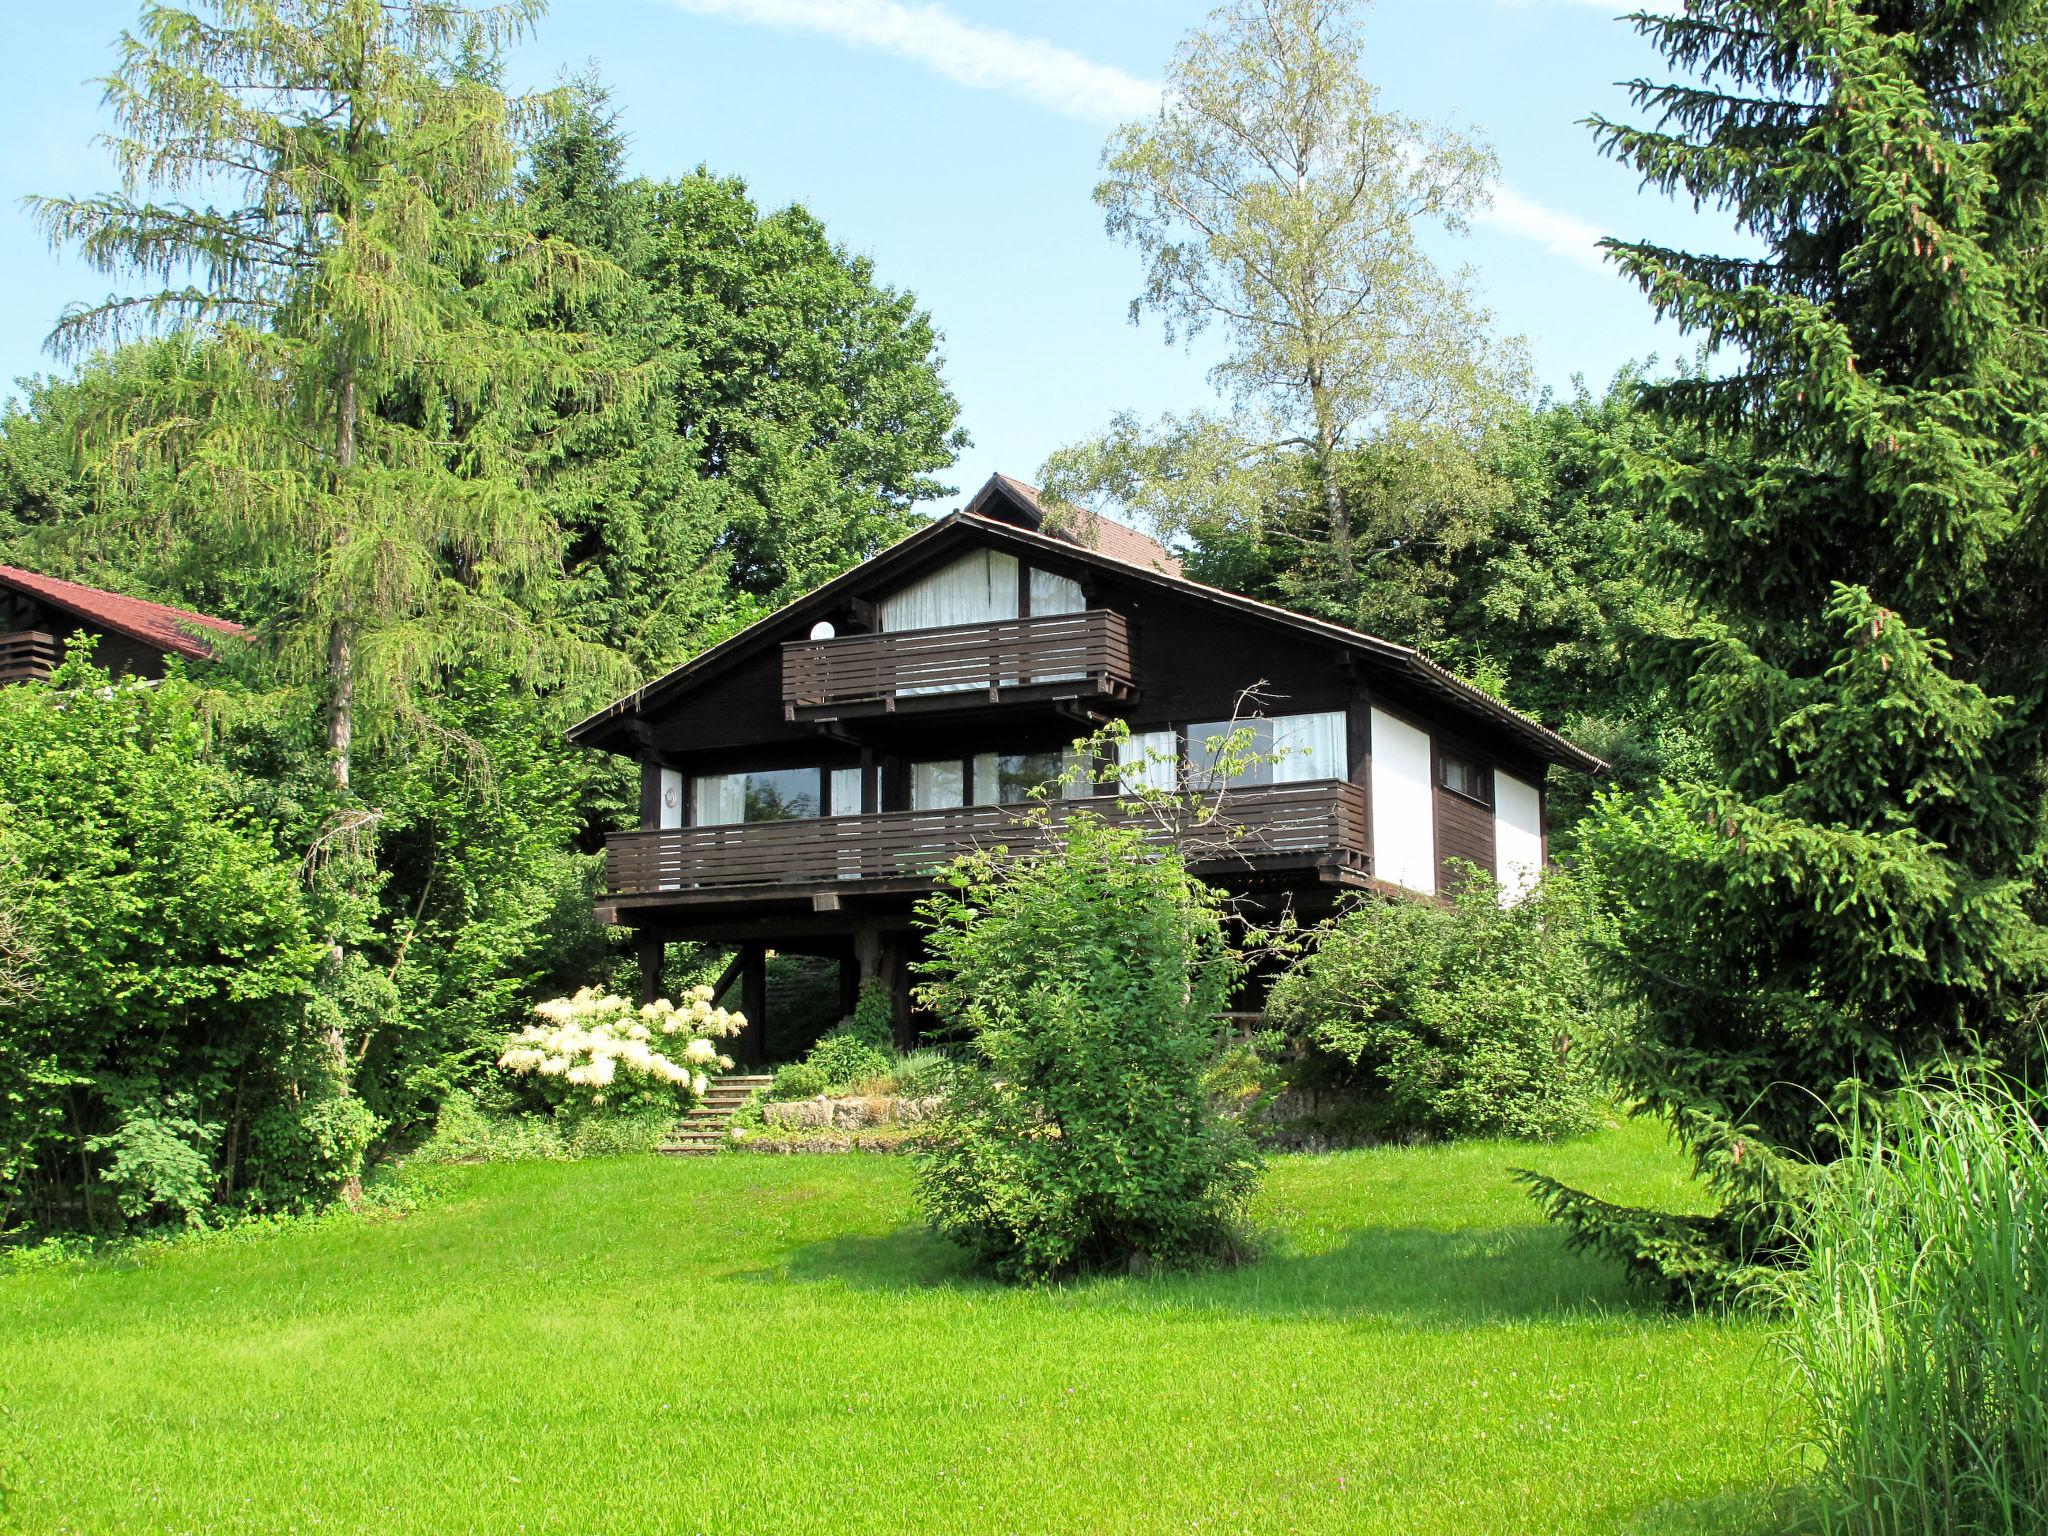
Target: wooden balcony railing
x=28 y=655
x=1305 y=823
x=1085 y=653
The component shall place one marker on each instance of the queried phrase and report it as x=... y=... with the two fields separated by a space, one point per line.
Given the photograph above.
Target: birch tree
x=1275 y=200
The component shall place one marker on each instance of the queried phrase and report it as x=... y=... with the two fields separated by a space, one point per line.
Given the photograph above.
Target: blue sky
x=956 y=143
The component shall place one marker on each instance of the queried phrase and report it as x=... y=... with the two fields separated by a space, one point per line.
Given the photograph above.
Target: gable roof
x=1006 y=499
x=154 y=624
x=1410 y=664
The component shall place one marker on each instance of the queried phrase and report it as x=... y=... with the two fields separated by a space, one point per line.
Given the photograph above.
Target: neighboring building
x=38 y=614
x=800 y=780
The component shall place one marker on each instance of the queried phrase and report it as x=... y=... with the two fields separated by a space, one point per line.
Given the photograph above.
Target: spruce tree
x=1859 y=545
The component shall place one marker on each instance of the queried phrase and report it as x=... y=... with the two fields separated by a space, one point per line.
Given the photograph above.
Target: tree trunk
x=341 y=648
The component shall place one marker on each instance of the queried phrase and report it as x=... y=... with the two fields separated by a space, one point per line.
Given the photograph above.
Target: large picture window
x=938 y=786
x=773 y=794
x=1285 y=749
x=980 y=589
x=1008 y=778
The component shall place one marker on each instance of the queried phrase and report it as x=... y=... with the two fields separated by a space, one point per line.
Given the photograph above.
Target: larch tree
x=1276 y=201
x=321 y=192
x=1856 y=532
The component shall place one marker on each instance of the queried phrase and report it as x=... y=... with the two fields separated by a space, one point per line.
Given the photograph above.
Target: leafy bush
x=465 y=1132
x=1459 y=1019
x=175 y=962
x=845 y=1059
x=799 y=1080
x=920 y=1074
x=1086 y=977
x=1918 y=1324
x=159 y=1162
x=305 y=1155
x=596 y=1053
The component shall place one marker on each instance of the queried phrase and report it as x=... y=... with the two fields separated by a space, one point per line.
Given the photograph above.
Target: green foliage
x=1850 y=516
x=873 y=1016
x=1275 y=197
x=465 y=1132
x=1465 y=1019
x=1085 y=978
x=799 y=1080
x=1918 y=1323
x=158 y=1162
x=303 y=1155
x=846 y=1058
x=175 y=964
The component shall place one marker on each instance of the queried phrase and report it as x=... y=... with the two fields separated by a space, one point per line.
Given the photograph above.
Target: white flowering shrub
x=597 y=1052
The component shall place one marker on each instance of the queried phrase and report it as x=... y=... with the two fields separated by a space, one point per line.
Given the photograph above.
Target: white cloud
x=982 y=58
x=990 y=59
x=1562 y=234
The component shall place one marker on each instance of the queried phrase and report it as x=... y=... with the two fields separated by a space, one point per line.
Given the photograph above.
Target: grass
x=743 y=1344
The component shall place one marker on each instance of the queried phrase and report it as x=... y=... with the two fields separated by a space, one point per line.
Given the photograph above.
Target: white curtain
x=719 y=800
x=936 y=786
x=845 y=792
x=978 y=589
x=1308 y=747
x=1078 y=770
x=1054 y=594
x=1162 y=772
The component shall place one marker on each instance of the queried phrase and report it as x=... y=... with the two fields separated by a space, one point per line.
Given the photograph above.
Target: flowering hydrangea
x=593 y=1043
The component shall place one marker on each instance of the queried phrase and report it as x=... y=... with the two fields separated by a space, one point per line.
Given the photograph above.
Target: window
x=1462 y=776
x=938 y=786
x=1286 y=749
x=775 y=794
x=1008 y=778
x=979 y=589
x=1148 y=760
x=846 y=792
x=1054 y=594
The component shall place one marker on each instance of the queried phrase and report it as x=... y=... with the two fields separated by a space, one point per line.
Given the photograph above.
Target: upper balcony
x=1316 y=827
x=28 y=655
x=1060 y=656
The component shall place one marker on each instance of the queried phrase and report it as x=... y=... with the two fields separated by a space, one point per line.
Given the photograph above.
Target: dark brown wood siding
x=1464 y=830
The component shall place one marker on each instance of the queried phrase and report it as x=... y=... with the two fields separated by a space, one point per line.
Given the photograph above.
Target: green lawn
x=761 y=1344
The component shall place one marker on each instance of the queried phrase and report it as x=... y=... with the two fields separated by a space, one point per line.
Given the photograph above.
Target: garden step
x=702 y=1131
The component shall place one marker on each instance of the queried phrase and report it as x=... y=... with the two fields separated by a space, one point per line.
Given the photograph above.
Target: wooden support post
x=752 y=1045
x=896 y=976
x=652 y=950
x=849 y=983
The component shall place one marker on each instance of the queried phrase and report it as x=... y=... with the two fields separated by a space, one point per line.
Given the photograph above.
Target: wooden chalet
x=39 y=614
x=801 y=780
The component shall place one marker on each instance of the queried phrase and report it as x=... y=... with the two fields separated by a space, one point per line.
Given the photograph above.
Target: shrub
x=844 y=1059
x=1918 y=1324
x=1460 y=1019
x=799 y=1080
x=304 y=1155
x=920 y=1074
x=596 y=1053
x=174 y=959
x=1086 y=977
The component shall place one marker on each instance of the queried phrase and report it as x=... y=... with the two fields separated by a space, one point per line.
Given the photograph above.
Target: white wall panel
x=1403 y=805
x=1517 y=835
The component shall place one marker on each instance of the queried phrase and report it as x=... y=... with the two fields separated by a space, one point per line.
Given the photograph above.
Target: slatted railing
x=1091 y=649
x=27 y=655
x=1305 y=821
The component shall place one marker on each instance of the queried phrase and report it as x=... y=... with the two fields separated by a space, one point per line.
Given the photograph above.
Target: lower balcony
x=1315 y=828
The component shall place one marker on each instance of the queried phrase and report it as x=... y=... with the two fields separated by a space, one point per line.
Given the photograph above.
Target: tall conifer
x=1860 y=545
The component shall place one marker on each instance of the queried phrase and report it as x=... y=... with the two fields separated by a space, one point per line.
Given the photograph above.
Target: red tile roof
x=1075 y=525
x=166 y=628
